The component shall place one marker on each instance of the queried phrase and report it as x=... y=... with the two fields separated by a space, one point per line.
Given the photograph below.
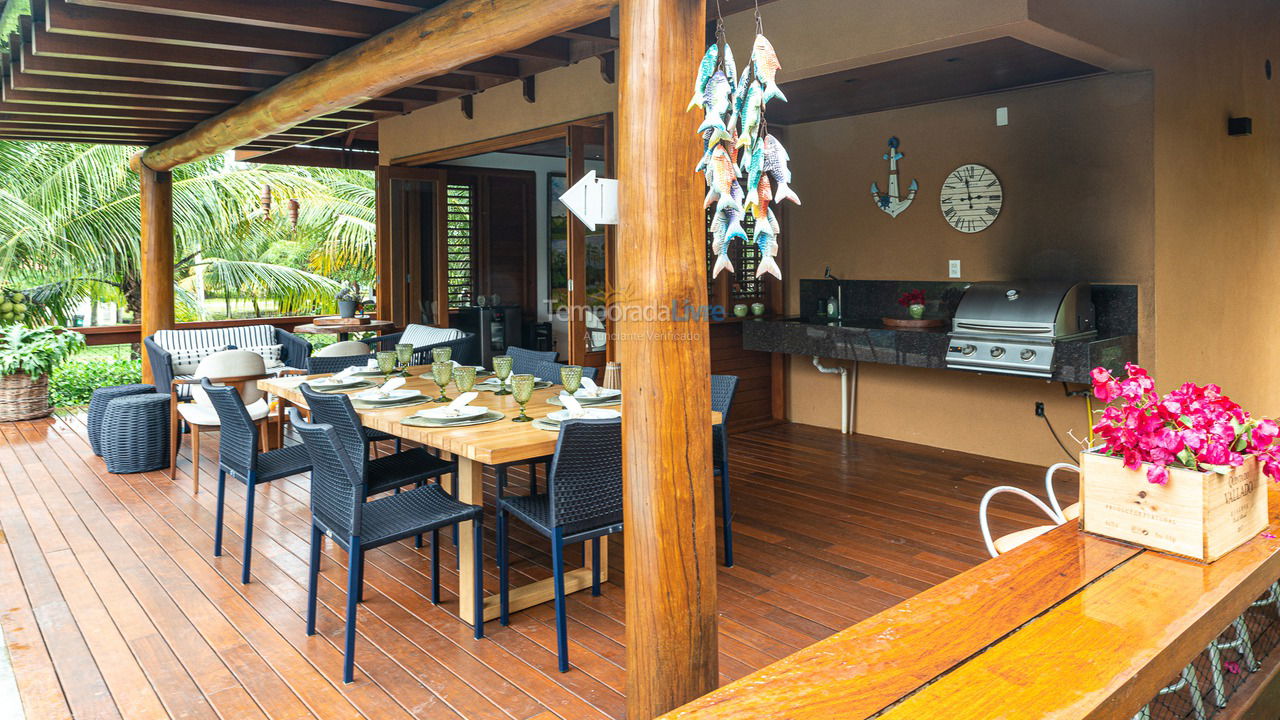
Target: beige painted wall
x=1075 y=164
x=1217 y=198
x=564 y=94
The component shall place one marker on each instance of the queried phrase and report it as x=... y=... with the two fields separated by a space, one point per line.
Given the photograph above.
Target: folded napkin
x=345 y=373
x=455 y=407
x=391 y=385
x=590 y=386
x=571 y=404
x=371 y=365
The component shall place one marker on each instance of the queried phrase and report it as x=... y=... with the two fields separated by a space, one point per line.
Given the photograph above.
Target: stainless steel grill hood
x=1011 y=327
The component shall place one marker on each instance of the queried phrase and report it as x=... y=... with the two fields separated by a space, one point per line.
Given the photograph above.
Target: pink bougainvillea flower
x=1265 y=433
x=1269 y=536
x=1231 y=666
x=1157 y=474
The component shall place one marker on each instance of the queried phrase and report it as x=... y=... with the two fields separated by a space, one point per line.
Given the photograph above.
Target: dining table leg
x=470 y=480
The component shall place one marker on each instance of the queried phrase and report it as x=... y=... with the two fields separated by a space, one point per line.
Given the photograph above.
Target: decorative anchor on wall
x=889 y=201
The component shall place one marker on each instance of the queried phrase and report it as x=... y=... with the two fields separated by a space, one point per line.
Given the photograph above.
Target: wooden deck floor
x=112 y=604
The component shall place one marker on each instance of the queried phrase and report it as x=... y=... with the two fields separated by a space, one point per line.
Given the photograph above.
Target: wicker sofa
x=176 y=353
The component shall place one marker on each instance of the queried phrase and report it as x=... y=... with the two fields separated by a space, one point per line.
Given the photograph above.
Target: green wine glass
x=464 y=377
x=386 y=363
x=522 y=391
x=442 y=354
x=442 y=373
x=571 y=378
x=404 y=355
x=502 y=368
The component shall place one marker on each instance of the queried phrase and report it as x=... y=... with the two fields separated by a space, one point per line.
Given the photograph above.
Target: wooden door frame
x=395 y=259
x=577 y=350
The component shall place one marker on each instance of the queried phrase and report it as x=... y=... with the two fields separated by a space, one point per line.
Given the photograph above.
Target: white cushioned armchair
x=466 y=348
x=177 y=353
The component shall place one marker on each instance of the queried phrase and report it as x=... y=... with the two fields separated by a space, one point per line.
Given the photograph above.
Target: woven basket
x=23 y=397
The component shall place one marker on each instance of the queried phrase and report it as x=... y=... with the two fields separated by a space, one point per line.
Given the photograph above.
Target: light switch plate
x=1002 y=116
x=953 y=268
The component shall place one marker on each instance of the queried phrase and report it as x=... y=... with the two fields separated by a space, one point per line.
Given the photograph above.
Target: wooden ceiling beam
x=494 y=67
x=71 y=112
x=29 y=129
x=84 y=86
x=301 y=15
x=94 y=139
x=551 y=48
x=172 y=127
x=61 y=16
x=34 y=64
x=312 y=157
x=184 y=107
x=598 y=30
x=435 y=42
x=451 y=82
x=45 y=43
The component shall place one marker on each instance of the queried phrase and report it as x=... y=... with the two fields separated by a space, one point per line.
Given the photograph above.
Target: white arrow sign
x=593 y=200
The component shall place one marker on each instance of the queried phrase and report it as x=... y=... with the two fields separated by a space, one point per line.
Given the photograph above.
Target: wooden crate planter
x=23 y=397
x=1201 y=515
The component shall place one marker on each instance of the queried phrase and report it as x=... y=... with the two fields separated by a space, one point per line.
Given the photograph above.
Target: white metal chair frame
x=1055 y=512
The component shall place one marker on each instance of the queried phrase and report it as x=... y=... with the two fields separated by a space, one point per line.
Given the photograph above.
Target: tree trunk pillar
x=156 y=256
x=669 y=504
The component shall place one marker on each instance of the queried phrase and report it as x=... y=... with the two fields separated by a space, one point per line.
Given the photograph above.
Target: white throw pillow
x=185 y=360
x=270 y=354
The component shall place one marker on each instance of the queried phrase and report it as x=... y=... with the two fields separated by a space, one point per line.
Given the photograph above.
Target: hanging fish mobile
x=737 y=146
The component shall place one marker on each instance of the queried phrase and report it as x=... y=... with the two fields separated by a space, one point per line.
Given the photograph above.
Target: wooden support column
x=157 y=256
x=669 y=505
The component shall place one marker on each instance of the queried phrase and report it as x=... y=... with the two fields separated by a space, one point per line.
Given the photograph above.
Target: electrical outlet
x=1039 y=409
x=953 y=269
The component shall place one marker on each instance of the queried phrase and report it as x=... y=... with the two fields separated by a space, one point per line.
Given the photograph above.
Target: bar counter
x=1068 y=625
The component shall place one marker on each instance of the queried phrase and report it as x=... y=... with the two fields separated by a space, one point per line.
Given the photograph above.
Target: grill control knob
x=997 y=352
x=968 y=350
x=1028 y=355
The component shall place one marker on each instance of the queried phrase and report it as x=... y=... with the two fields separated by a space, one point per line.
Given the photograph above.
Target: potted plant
x=913 y=301
x=27 y=356
x=1179 y=472
x=350 y=301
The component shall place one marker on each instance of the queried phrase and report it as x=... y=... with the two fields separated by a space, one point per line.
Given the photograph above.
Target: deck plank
x=110 y=580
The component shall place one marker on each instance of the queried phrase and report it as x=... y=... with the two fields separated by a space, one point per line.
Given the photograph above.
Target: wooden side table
x=344 y=331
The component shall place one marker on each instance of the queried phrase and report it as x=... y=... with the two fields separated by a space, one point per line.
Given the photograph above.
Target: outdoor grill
x=1013 y=327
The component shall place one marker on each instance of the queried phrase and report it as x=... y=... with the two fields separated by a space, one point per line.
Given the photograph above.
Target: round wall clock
x=971 y=198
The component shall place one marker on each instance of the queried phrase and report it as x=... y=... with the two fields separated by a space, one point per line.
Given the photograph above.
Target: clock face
x=971 y=198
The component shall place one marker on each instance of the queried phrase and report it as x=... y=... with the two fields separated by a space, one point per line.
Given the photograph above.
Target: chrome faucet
x=839 y=294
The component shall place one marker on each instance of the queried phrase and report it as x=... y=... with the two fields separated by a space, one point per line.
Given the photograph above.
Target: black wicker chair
x=389 y=472
x=583 y=502
x=723 y=388
x=238 y=457
x=525 y=362
x=338 y=509
x=466 y=349
x=549 y=370
x=319 y=364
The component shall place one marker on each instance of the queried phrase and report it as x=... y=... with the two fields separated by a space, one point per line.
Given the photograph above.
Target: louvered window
x=743 y=284
x=461 y=244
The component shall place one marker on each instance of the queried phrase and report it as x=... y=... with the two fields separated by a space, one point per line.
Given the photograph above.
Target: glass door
x=412 y=257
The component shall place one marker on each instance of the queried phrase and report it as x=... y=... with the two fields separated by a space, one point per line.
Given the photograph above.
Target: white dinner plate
x=605 y=395
x=335 y=382
x=587 y=414
x=466 y=412
x=376 y=396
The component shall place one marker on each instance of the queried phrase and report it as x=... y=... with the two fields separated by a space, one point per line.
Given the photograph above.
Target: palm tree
x=70 y=222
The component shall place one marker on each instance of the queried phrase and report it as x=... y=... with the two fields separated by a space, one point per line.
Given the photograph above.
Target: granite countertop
x=868 y=340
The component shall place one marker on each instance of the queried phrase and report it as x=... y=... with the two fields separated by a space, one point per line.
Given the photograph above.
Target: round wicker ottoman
x=102 y=397
x=135 y=433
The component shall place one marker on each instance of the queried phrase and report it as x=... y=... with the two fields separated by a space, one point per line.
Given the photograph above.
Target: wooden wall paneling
x=575 y=166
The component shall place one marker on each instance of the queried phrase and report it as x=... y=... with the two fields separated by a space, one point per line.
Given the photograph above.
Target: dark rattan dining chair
x=339 y=510
x=238 y=456
x=389 y=472
x=723 y=388
x=583 y=502
x=550 y=370
x=318 y=364
x=525 y=362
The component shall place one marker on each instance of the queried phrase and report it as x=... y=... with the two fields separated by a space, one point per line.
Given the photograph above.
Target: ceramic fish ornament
x=724 y=177
x=776 y=164
x=752 y=114
x=768 y=247
x=766 y=64
x=725 y=228
x=758 y=202
x=705 y=70
x=716 y=98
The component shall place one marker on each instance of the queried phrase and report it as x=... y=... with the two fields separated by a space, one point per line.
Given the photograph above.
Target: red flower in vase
x=913 y=297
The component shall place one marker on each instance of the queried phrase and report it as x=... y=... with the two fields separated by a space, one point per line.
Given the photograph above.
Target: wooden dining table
x=473 y=447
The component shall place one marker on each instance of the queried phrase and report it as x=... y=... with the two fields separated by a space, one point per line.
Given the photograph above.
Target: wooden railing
x=125 y=334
